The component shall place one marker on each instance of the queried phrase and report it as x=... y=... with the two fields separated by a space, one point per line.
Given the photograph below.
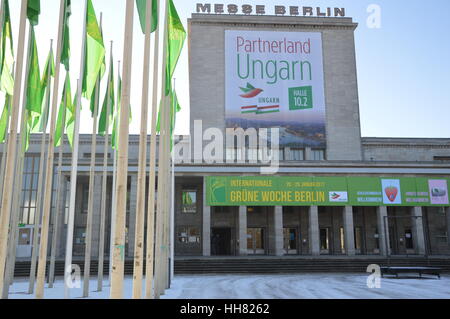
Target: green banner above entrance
x=326 y=191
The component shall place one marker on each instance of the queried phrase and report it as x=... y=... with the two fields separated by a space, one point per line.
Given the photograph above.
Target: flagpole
x=149 y=269
x=37 y=217
x=5 y=214
x=122 y=163
x=142 y=175
x=114 y=208
x=58 y=207
x=90 y=215
x=50 y=157
x=18 y=178
x=3 y=163
x=172 y=210
x=101 y=249
x=74 y=172
x=159 y=253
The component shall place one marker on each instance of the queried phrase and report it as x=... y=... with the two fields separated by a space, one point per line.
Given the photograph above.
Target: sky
x=403 y=66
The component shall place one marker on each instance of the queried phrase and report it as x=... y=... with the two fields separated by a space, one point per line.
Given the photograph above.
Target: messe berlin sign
x=327 y=191
x=248 y=9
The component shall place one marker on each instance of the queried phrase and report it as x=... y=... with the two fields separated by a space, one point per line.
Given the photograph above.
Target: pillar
x=242 y=231
x=308 y=154
x=278 y=230
x=349 y=231
x=419 y=236
x=447 y=211
x=96 y=217
x=132 y=220
x=314 y=238
x=206 y=231
x=383 y=230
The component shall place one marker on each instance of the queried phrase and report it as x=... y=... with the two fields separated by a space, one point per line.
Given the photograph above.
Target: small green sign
x=300 y=98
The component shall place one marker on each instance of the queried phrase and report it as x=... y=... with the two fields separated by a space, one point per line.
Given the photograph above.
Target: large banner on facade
x=326 y=191
x=276 y=79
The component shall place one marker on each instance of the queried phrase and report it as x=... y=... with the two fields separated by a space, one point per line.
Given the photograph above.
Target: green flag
x=34 y=90
x=33 y=11
x=174 y=109
x=114 y=142
x=94 y=53
x=176 y=35
x=104 y=117
x=41 y=124
x=65 y=111
x=95 y=98
x=6 y=54
x=34 y=94
x=70 y=120
x=4 y=119
x=141 y=6
x=65 y=53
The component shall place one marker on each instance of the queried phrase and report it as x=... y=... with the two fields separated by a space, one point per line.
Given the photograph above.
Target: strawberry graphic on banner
x=391 y=191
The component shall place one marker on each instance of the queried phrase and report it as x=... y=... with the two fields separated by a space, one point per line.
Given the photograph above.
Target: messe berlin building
x=326 y=191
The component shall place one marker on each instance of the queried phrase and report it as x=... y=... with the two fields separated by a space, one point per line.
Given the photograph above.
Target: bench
x=411 y=270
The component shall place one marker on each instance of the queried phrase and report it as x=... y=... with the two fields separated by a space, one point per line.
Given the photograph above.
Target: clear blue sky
x=403 y=67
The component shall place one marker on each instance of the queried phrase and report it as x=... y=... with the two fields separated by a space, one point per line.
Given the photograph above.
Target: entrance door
x=221 y=242
x=290 y=236
x=255 y=241
x=325 y=241
x=24 y=247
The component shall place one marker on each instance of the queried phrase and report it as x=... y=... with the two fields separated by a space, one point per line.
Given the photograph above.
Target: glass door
x=290 y=236
x=325 y=241
x=255 y=241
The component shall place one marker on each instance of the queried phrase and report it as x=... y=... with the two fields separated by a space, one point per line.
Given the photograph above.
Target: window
x=29 y=189
x=297 y=154
x=189 y=202
x=80 y=235
x=281 y=152
x=318 y=155
x=188 y=235
x=442 y=158
x=85 y=199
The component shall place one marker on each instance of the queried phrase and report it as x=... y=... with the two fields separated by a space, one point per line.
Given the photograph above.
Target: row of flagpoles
x=40 y=109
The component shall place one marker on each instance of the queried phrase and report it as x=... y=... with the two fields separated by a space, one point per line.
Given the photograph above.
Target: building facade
x=411 y=224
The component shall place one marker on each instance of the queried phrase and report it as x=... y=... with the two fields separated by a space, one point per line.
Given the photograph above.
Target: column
x=349 y=231
x=308 y=154
x=278 y=230
x=96 y=217
x=447 y=211
x=206 y=232
x=242 y=231
x=419 y=237
x=383 y=230
x=314 y=238
x=132 y=219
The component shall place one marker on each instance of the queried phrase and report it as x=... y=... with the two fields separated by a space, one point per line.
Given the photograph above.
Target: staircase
x=297 y=265
x=260 y=265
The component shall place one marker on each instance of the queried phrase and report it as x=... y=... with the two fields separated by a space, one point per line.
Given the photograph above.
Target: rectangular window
x=85 y=199
x=29 y=189
x=189 y=202
x=318 y=155
x=80 y=235
x=297 y=154
x=281 y=152
x=188 y=235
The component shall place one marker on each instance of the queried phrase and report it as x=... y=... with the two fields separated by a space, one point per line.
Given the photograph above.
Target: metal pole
x=11 y=152
x=141 y=190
